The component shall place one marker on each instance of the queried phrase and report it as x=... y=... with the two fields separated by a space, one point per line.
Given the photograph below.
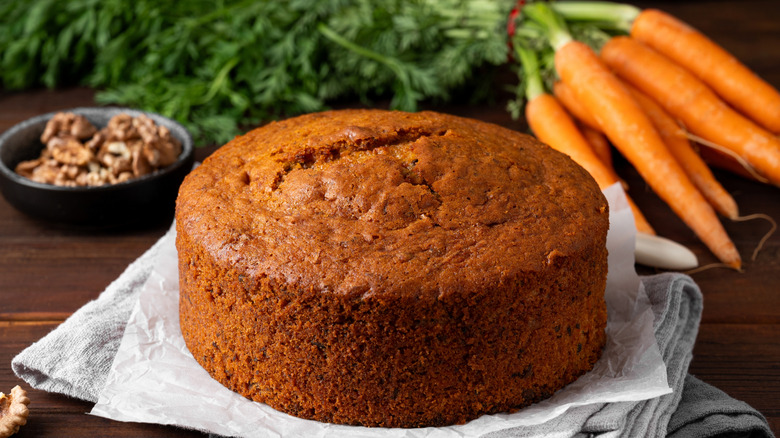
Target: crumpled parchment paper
x=155 y=379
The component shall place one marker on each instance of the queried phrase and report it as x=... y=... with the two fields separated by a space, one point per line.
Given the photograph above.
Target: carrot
x=629 y=129
x=712 y=64
x=552 y=125
x=588 y=124
x=688 y=99
x=697 y=170
x=567 y=99
x=599 y=143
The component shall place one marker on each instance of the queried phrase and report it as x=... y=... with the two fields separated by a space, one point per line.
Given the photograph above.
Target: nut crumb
x=79 y=155
x=13 y=411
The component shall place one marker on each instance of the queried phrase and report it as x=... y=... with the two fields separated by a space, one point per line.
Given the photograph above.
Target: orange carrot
x=697 y=170
x=721 y=160
x=567 y=99
x=552 y=125
x=688 y=99
x=728 y=77
x=632 y=133
x=588 y=124
x=599 y=143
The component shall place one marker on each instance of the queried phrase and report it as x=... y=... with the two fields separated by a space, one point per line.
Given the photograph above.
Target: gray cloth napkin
x=75 y=358
x=706 y=411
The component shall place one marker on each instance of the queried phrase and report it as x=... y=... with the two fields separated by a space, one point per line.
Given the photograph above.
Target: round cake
x=391 y=269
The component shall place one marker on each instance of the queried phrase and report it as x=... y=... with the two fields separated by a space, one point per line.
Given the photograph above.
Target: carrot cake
x=391 y=269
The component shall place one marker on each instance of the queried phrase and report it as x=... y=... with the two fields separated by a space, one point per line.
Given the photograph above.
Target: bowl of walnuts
x=95 y=166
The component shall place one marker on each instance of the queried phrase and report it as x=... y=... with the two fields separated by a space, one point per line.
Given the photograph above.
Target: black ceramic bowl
x=141 y=199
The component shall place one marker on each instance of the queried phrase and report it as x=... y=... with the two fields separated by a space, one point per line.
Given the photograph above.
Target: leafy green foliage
x=218 y=66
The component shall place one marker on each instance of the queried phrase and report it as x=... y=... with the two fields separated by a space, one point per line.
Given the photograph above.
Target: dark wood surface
x=47 y=271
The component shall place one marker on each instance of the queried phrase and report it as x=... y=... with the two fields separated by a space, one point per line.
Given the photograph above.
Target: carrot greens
x=219 y=65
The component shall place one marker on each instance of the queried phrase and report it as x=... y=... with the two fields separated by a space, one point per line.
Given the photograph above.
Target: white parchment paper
x=155 y=379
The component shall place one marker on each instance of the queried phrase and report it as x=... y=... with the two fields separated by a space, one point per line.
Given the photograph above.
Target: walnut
x=13 y=411
x=126 y=148
x=162 y=153
x=26 y=168
x=82 y=179
x=141 y=165
x=71 y=171
x=170 y=147
x=94 y=177
x=46 y=172
x=62 y=179
x=68 y=124
x=122 y=177
x=120 y=127
x=96 y=141
x=151 y=154
x=68 y=150
x=146 y=128
x=81 y=128
x=116 y=156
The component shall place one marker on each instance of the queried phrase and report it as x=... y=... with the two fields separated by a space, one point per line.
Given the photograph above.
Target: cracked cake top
x=377 y=202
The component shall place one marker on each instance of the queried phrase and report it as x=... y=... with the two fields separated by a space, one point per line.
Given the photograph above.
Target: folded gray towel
x=75 y=358
x=706 y=411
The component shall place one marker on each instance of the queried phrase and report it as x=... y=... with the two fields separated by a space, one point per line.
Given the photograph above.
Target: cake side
x=395 y=361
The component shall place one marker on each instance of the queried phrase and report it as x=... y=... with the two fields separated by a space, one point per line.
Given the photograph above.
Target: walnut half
x=13 y=411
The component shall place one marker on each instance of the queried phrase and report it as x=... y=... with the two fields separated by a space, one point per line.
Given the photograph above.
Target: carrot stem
x=616 y=16
x=552 y=23
x=533 y=80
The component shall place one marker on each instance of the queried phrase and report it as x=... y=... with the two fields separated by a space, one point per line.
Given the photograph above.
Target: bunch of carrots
x=648 y=91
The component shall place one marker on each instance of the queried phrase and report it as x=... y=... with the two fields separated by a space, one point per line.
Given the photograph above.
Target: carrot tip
x=737 y=266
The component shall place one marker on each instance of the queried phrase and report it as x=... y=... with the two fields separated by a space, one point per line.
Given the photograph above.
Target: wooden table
x=47 y=272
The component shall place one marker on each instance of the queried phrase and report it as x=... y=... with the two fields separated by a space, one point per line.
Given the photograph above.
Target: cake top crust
x=382 y=202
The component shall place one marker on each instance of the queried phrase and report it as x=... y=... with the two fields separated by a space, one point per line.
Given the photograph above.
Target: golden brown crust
x=391 y=269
